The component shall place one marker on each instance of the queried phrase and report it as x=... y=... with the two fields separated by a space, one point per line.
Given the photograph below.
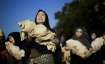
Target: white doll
x=42 y=35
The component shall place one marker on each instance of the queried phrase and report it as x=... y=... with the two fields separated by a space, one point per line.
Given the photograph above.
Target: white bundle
x=78 y=48
x=97 y=44
x=40 y=33
x=39 y=30
x=25 y=26
x=15 y=51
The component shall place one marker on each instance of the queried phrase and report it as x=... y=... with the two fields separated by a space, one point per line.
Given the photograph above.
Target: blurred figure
x=98 y=47
x=79 y=35
x=13 y=46
x=60 y=35
x=77 y=48
x=93 y=36
x=3 y=53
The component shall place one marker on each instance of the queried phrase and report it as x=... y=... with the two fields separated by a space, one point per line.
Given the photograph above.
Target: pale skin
x=93 y=36
x=78 y=34
x=41 y=17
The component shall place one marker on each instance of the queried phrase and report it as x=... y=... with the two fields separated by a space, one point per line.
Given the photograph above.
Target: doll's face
x=26 y=25
x=11 y=40
x=93 y=36
x=40 y=17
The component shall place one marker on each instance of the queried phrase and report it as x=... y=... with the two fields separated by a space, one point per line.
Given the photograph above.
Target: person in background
x=79 y=35
x=14 y=48
x=60 y=35
x=93 y=36
x=98 y=46
x=3 y=53
x=77 y=48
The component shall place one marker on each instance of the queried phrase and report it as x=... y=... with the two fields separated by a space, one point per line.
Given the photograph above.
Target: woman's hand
x=9 y=44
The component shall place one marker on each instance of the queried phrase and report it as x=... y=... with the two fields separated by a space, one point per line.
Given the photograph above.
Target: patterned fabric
x=43 y=59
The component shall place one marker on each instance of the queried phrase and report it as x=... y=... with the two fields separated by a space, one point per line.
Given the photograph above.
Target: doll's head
x=25 y=27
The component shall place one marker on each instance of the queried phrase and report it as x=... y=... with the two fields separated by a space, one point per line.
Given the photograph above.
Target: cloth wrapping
x=42 y=35
x=78 y=48
x=97 y=44
x=15 y=51
x=45 y=37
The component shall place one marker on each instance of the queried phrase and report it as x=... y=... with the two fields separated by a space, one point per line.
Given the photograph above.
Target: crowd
x=37 y=43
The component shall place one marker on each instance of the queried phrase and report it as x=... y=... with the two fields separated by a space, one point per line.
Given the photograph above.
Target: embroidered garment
x=43 y=59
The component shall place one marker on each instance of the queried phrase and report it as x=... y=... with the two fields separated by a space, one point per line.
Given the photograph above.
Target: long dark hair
x=46 y=23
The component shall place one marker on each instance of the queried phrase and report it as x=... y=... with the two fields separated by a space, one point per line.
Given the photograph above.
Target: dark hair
x=16 y=36
x=46 y=23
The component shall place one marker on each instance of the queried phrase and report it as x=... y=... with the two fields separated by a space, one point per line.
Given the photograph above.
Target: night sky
x=13 y=11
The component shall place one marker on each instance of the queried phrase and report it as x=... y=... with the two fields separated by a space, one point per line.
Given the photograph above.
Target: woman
x=43 y=30
x=13 y=46
x=43 y=36
x=46 y=48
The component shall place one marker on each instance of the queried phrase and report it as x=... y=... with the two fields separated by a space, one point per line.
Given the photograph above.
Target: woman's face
x=78 y=34
x=40 y=17
x=11 y=40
